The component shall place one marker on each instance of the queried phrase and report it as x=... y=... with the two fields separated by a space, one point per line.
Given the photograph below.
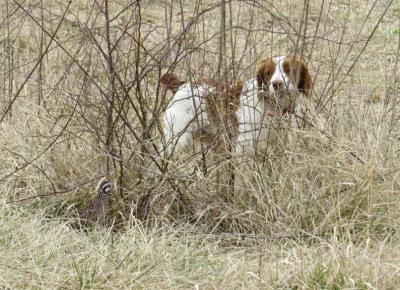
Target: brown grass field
x=80 y=99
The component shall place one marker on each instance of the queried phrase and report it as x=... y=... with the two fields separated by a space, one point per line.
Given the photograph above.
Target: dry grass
x=328 y=218
x=42 y=253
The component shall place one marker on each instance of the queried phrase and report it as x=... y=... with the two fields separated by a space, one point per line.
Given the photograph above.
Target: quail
x=96 y=212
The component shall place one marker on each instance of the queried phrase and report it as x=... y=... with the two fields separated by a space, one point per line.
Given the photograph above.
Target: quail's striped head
x=104 y=188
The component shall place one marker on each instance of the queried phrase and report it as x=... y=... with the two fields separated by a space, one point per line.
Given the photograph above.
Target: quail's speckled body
x=97 y=210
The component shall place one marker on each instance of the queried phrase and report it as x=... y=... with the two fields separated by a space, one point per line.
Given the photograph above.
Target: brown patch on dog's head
x=298 y=71
x=171 y=82
x=265 y=70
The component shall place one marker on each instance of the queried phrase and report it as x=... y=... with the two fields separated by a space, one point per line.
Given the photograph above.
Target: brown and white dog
x=246 y=109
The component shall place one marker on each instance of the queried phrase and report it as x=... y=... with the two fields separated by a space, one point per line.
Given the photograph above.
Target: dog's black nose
x=277 y=85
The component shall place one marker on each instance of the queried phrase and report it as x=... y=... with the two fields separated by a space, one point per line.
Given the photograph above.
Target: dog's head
x=283 y=77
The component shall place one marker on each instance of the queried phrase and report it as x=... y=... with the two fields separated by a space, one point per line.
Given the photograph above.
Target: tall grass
x=80 y=100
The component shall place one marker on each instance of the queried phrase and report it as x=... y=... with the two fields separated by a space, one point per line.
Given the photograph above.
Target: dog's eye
x=268 y=73
x=287 y=69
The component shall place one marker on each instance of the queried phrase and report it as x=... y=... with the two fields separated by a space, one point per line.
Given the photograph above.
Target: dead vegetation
x=80 y=99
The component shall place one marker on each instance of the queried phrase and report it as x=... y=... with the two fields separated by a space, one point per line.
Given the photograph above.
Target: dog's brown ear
x=298 y=71
x=265 y=69
x=171 y=82
x=306 y=80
